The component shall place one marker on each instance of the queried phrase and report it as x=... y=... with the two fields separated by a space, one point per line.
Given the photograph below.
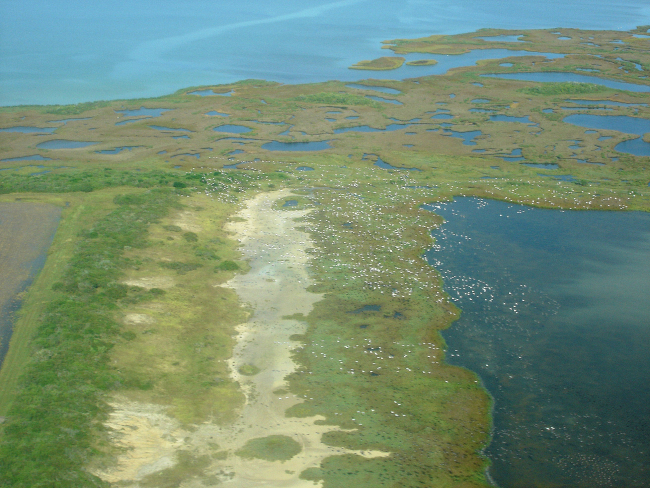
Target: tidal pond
x=571 y=77
x=382 y=89
x=30 y=130
x=620 y=123
x=33 y=157
x=296 y=146
x=143 y=112
x=64 y=144
x=556 y=321
x=26 y=232
x=233 y=129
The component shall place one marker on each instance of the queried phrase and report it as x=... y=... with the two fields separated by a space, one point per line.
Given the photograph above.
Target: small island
x=379 y=64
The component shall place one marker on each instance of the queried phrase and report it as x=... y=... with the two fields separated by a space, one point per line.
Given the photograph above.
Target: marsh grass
x=568 y=88
x=380 y=64
x=271 y=448
x=81 y=350
x=54 y=423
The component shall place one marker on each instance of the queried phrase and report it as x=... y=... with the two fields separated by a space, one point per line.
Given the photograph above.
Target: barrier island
x=237 y=294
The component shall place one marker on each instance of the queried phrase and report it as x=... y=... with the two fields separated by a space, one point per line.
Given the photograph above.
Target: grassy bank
x=75 y=346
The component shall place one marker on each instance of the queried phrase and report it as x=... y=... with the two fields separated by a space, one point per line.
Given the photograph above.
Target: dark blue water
x=556 y=321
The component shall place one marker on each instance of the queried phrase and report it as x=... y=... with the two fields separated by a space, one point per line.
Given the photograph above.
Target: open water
x=556 y=321
x=64 y=51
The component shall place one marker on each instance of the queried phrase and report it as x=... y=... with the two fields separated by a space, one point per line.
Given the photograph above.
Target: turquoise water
x=556 y=321
x=63 y=51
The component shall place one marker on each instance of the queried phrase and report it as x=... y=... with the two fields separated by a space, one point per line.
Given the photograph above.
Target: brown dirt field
x=26 y=231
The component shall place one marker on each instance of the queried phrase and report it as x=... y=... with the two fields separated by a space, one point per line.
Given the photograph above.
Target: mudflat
x=26 y=231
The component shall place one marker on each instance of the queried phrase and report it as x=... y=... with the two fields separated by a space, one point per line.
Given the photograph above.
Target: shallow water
x=384 y=100
x=604 y=102
x=233 y=129
x=143 y=111
x=384 y=165
x=65 y=52
x=172 y=129
x=467 y=137
x=33 y=157
x=571 y=77
x=296 y=146
x=29 y=130
x=510 y=118
x=64 y=144
x=366 y=128
x=620 y=123
x=542 y=165
x=560 y=340
x=117 y=150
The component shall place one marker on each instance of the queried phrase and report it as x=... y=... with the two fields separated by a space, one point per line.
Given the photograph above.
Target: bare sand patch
x=274 y=288
x=186 y=220
x=138 y=318
x=162 y=282
x=149 y=439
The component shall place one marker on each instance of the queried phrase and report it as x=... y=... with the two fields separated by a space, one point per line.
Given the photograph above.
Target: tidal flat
x=182 y=237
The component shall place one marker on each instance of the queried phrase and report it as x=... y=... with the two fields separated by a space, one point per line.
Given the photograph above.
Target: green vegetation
x=55 y=422
x=422 y=62
x=380 y=64
x=75 y=109
x=329 y=98
x=271 y=448
x=249 y=370
x=188 y=466
x=568 y=88
x=228 y=265
x=131 y=303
